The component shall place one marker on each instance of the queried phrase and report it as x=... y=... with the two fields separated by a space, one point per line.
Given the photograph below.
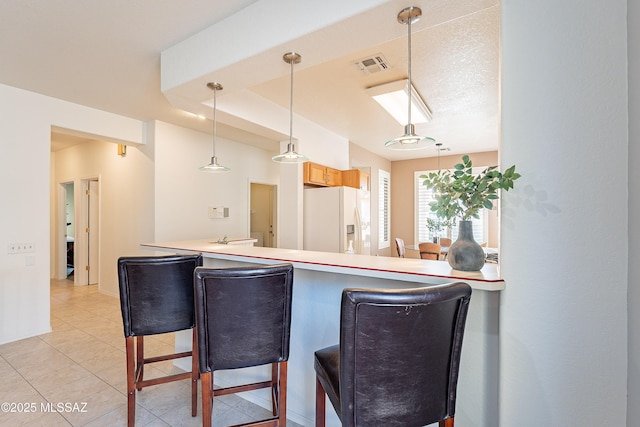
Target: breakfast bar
x=319 y=278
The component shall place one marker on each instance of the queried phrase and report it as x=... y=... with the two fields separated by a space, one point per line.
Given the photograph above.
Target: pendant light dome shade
x=290 y=156
x=409 y=141
x=214 y=166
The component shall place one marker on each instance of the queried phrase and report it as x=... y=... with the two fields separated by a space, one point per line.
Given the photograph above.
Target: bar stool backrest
x=400 y=354
x=156 y=293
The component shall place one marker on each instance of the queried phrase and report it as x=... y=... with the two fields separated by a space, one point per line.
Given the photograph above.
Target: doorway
x=263 y=214
x=79 y=231
x=69 y=227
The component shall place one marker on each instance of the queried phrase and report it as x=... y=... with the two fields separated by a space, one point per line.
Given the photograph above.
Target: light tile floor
x=81 y=366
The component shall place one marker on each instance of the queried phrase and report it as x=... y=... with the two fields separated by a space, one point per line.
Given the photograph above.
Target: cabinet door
x=334 y=177
x=355 y=178
x=351 y=178
x=314 y=174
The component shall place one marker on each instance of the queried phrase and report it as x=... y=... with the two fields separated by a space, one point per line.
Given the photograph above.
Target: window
x=384 y=220
x=424 y=196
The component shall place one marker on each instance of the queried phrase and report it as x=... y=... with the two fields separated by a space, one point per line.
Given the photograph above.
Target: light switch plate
x=216 y=212
x=21 y=248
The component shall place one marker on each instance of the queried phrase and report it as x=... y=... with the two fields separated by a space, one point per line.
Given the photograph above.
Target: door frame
x=93 y=236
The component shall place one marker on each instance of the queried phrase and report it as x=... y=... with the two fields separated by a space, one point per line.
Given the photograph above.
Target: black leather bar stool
x=243 y=319
x=398 y=358
x=156 y=297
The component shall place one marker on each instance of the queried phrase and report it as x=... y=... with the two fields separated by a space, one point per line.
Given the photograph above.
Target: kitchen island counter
x=403 y=269
x=319 y=278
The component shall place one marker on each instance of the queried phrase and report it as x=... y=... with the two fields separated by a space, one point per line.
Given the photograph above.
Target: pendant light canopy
x=409 y=141
x=214 y=166
x=290 y=156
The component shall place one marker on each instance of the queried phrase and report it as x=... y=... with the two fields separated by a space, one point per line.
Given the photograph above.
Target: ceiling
x=106 y=55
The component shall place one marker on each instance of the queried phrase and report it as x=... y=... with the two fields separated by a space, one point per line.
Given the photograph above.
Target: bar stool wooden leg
x=139 y=361
x=320 y=405
x=446 y=423
x=282 y=395
x=274 y=389
x=206 y=379
x=195 y=373
x=131 y=392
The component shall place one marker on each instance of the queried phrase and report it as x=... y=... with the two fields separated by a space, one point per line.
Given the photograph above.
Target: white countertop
x=405 y=269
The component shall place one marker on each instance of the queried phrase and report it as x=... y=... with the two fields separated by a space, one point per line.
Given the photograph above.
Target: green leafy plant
x=461 y=194
x=435 y=226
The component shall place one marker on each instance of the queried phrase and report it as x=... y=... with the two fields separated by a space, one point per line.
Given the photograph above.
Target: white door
x=92 y=232
x=263 y=214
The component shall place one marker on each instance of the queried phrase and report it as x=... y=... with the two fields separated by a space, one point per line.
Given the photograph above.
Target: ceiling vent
x=373 y=64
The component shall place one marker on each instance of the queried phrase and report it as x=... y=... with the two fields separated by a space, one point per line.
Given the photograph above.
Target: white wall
x=156 y=193
x=633 y=297
x=310 y=139
x=25 y=174
x=563 y=328
x=183 y=193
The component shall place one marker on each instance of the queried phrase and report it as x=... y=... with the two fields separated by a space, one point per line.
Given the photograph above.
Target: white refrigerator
x=337 y=219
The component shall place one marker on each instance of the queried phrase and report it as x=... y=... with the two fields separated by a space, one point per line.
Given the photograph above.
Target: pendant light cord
x=291 y=106
x=409 y=72
x=215 y=93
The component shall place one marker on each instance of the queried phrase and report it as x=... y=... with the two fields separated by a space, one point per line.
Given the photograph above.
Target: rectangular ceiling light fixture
x=393 y=97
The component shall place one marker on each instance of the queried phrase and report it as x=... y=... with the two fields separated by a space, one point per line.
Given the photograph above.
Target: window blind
x=424 y=196
x=384 y=220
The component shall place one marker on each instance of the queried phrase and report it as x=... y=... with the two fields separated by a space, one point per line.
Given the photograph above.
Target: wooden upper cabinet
x=324 y=176
x=315 y=174
x=334 y=177
x=356 y=178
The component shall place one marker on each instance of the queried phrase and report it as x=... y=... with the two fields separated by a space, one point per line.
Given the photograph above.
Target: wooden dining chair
x=444 y=242
x=400 y=247
x=429 y=250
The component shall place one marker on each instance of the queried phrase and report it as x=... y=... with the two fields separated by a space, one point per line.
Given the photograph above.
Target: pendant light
x=214 y=166
x=409 y=141
x=290 y=156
